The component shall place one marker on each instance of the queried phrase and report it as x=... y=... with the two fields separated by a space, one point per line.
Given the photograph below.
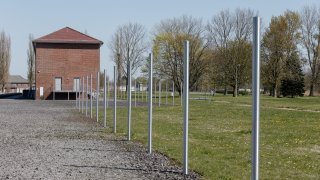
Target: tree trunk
x=275 y=91
x=235 y=91
x=225 y=91
x=311 y=93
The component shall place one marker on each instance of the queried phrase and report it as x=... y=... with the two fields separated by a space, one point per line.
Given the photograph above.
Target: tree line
x=221 y=51
x=5 y=59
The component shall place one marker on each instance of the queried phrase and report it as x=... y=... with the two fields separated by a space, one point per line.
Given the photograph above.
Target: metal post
x=79 y=103
x=120 y=89
x=115 y=101
x=139 y=95
x=166 y=93
x=150 y=105
x=129 y=98
x=137 y=88
x=173 y=93
x=155 y=90
x=87 y=97
x=107 y=92
x=105 y=100
x=82 y=104
x=76 y=93
x=256 y=98
x=97 y=96
x=159 y=92
x=135 y=93
x=236 y=85
x=91 y=96
x=186 y=107
x=181 y=93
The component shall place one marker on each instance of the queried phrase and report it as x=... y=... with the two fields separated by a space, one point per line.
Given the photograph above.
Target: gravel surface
x=50 y=140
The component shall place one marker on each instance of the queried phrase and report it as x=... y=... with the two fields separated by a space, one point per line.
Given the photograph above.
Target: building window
x=58 y=84
x=76 y=84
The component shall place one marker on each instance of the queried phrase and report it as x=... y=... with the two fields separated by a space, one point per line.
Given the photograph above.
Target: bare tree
x=5 y=59
x=241 y=56
x=31 y=62
x=220 y=33
x=229 y=33
x=220 y=29
x=310 y=31
x=168 y=49
x=128 y=44
x=243 y=24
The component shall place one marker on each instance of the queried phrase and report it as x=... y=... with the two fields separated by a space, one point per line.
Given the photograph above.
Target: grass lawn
x=220 y=135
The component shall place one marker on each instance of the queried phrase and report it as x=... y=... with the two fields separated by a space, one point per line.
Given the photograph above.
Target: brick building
x=16 y=84
x=62 y=58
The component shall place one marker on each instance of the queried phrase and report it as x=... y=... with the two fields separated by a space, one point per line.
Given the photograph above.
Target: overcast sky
x=100 y=18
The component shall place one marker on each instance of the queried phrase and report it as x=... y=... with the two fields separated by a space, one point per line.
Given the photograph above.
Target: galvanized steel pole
x=129 y=98
x=79 y=103
x=155 y=90
x=107 y=92
x=82 y=104
x=181 y=92
x=97 y=96
x=256 y=98
x=76 y=94
x=140 y=93
x=90 y=95
x=105 y=100
x=172 y=93
x=166 y=93
x=135 y=93
x=87 y=97
x=150 y=105
x=159 y=92
x=115 y=100
x=186 y=107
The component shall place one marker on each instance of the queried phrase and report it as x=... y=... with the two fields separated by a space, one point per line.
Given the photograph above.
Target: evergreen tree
x=293 y=83
x=279 y=50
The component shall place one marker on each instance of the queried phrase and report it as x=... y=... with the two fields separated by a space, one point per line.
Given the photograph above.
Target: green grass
x=220 y=135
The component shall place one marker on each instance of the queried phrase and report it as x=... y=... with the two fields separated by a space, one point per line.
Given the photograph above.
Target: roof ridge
x=81 y=33
x=67 y=35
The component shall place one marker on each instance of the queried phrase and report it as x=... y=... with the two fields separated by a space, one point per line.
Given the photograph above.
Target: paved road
x=50 y=140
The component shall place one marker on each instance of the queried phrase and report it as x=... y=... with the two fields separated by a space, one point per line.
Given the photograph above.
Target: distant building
x=62 y=59
x=16 y=84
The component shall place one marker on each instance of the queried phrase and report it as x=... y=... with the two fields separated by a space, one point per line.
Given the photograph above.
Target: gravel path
x=50 y=140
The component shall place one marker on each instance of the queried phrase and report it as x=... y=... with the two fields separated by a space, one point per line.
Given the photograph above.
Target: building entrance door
x=58 y=82
x=76 y=84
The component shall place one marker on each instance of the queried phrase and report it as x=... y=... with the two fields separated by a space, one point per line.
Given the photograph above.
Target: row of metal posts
x=82 y=101
x=85 y=89
x=84 y=97
x=186 y=97
x=185 y=102
x=139 y=94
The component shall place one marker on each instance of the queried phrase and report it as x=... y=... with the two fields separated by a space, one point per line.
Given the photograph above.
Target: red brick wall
x=67 y=61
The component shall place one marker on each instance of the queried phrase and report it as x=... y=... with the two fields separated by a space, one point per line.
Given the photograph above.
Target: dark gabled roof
x=17 y=79
x=68 y=35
